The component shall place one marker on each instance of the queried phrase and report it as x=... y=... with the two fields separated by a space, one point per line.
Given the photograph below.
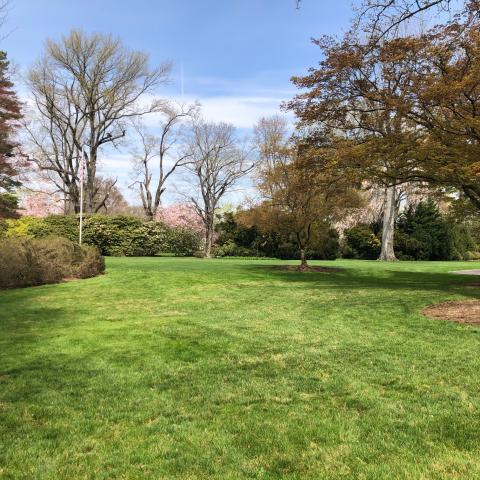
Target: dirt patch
x=309 y=268
x=467 y=311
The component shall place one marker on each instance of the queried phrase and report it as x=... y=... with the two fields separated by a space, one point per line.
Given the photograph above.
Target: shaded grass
x=225 y=369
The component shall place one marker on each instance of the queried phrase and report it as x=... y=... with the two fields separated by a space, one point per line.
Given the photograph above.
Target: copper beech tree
x=356 y=94
x=405 y=109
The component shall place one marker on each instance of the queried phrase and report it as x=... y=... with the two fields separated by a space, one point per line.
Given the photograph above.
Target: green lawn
x=225 y=369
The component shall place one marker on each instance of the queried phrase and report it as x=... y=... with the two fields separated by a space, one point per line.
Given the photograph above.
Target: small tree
x=299 y=198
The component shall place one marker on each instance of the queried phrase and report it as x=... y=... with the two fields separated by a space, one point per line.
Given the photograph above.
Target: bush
x=182 y=242
x=92 y=263
x=3 y=228
x=119 y=235
x=114 y=236
x=471 y=256
x=361 y=242
x=237 y=240
x=231 y=249
x=65 y=226
x=22 y=227
x=25 y=261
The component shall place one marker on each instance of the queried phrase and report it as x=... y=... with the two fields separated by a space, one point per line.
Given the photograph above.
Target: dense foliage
x=9 y=115
x=361 y=242
x=235 y=239
x=26 y=261
x=422 y=233
x=117 y=235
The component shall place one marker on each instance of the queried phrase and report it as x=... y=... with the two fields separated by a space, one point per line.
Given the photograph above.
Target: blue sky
x=237 y=55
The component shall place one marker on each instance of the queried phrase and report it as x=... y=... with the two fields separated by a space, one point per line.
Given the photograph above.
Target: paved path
x=466 y=272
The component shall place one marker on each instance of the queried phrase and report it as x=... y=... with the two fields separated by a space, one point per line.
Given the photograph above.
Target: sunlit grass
x=224 y=369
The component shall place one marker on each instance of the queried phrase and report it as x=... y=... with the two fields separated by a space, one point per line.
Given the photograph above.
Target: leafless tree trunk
x=217 y=163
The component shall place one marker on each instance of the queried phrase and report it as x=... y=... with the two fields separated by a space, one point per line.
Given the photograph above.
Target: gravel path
x=467 y=272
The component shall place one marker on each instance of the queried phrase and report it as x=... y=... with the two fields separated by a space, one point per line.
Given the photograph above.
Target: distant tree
x=40 y=204
x=9 y=116
x=160 y=157
x=108 y=198
x=85 y=89
x=271 y=140
x=181 y=215
x=217 y=164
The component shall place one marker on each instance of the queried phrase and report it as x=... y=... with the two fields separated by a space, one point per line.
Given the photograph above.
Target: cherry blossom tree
x=180 y=215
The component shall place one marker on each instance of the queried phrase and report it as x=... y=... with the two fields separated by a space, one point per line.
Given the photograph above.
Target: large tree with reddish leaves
x=9 y=115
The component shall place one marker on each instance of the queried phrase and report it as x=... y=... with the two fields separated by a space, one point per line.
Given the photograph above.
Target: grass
x=225 y=369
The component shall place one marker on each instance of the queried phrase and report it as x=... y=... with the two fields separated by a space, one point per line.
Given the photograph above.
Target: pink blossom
x=181 y=215
x=40 y=204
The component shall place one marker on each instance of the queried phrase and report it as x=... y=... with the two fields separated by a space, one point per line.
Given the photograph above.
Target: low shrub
x=237 y=240
x=25 y=261
x=471 y=256
x=22 y=227
x=231 y=249
x=113 y=236
x=361 y=242
x=3 y=228
x=182 y=242
x=92 y=263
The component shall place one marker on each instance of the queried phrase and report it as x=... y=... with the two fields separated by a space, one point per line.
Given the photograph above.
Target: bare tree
x=86 y=88
x=385 y=18
x=271 y=140
x=110 y=198
x=217 y=163
x=165 y=151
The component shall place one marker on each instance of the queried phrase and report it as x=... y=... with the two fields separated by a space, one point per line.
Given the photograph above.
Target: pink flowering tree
x=40 y=204
x=181 y=215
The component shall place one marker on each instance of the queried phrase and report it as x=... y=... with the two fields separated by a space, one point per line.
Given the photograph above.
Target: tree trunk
x=387 y=253
x=208 y=238
x=303 y=259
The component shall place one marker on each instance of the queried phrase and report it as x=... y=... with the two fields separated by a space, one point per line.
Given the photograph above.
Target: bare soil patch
x=467 y=312
x=309 y=268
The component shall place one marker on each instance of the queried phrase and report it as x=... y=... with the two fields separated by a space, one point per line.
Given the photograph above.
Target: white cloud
x=241 y=111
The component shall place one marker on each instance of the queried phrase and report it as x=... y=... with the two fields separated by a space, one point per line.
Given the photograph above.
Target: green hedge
x=118 y=235
x=25 y=261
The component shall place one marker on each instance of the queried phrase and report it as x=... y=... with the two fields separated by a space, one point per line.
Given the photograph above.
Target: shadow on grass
x=394 y=280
